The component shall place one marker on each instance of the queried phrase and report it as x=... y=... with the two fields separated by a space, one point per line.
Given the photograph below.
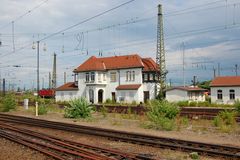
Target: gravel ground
x=112 y=121
x=13 y=151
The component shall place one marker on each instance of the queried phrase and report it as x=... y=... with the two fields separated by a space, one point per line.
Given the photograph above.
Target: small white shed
x=188 y=93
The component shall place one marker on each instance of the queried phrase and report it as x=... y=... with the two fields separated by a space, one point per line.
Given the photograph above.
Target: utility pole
x=214 y=72
x=49 y=81
x=160 y=56
x=194 y=81
x=183 y=61
x=236 y=69
x=218 y=69
x=42 y=82
x=65 y=78
x=54 y=76
x=4 y=87
x=38 y=67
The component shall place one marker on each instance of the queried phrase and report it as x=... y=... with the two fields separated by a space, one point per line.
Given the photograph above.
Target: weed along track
x=154 y=141
x=61 y=149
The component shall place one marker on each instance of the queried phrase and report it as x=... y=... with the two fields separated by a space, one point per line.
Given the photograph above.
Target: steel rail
x=155 y=141
x=60 y=145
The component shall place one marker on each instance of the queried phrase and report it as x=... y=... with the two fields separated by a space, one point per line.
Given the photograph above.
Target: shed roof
x=187 y=88
x=128 y=87
x=225 y=81
x=70 y=86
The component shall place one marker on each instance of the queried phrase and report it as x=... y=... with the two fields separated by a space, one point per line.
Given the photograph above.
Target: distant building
x=225 y=90
x=119 y=78
x=188 y=93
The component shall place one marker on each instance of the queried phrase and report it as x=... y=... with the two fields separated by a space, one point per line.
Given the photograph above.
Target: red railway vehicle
x=47 y=93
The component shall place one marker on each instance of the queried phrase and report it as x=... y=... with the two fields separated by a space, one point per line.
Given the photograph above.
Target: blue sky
x=209 y=31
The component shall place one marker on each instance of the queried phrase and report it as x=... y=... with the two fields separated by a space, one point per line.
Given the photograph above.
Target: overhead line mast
x=160 y=57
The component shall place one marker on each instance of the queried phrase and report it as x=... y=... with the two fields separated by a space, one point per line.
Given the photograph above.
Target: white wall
x=66 y=95
x=176 y=95
x=151 y=88
x=225 y=91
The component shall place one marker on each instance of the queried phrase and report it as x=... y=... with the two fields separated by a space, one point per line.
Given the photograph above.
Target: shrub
x=78 y=108
x=194 y=156
x=104 y=111
x=109 y=101
x=9 y=103
x=237 y=106
x=182 y=103
x=162 y=114
x=42 y=109
x=225 y=120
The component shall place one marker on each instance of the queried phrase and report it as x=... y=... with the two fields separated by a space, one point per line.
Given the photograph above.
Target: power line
x=26 y=13
x=86 y=20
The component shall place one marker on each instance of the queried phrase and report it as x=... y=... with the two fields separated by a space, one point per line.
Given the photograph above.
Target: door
x=113 y=96
x=100 y=96
x=91 y=96
x=146 y=96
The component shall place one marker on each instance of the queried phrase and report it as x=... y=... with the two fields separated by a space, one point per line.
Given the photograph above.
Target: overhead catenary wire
x=24 y=14
x=86 y=20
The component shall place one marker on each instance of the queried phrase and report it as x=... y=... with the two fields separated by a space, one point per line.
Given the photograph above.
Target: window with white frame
x=219 y=94
x=113 y=76
x=104 y=77
x=87 y=77
x=92 y=76
x=133 y=75
x=62 y=95
x=232 y=94
x=99 y=77
x=145 y=76
x=127 y=77
x=130 y=75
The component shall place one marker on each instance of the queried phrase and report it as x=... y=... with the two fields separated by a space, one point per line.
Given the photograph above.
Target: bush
x=162 y=114
x=108 y=101
x=225 y=120
x=78 y=108
x=42 y=109
x=182 y=103
x=8 y=103
x=104 y=111
x=237 y=106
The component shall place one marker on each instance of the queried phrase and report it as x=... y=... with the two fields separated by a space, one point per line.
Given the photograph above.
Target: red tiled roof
x=116 y=62
x=128 y=87
x=149 y=64
x=70 y=86
x=225 y=81
x=187 y=88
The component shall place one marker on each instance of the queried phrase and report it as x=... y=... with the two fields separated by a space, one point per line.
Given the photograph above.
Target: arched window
x=232 y=94
x=219 y=94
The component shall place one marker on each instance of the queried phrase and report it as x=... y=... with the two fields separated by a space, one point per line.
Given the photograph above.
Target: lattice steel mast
x=54 y=75
x=160 y=56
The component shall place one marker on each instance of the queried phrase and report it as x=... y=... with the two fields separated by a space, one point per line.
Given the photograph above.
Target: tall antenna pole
x=65 y=77
x=49 y=81
x=54 y=76
x=160 y=56
x=38 y=66
x=236 y=69
x=183 y=60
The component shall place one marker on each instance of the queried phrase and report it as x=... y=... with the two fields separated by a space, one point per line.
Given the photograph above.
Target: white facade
x=175 y=95
x=103 y=86
x=229 y=94
x=65 y=95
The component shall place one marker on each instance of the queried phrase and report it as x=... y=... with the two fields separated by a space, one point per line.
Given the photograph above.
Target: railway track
x=136 y=138
x=61 y=149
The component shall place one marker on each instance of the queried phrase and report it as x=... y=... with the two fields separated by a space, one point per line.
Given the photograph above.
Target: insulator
x=62 y=49
x=44 y=47
x=33 y=45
